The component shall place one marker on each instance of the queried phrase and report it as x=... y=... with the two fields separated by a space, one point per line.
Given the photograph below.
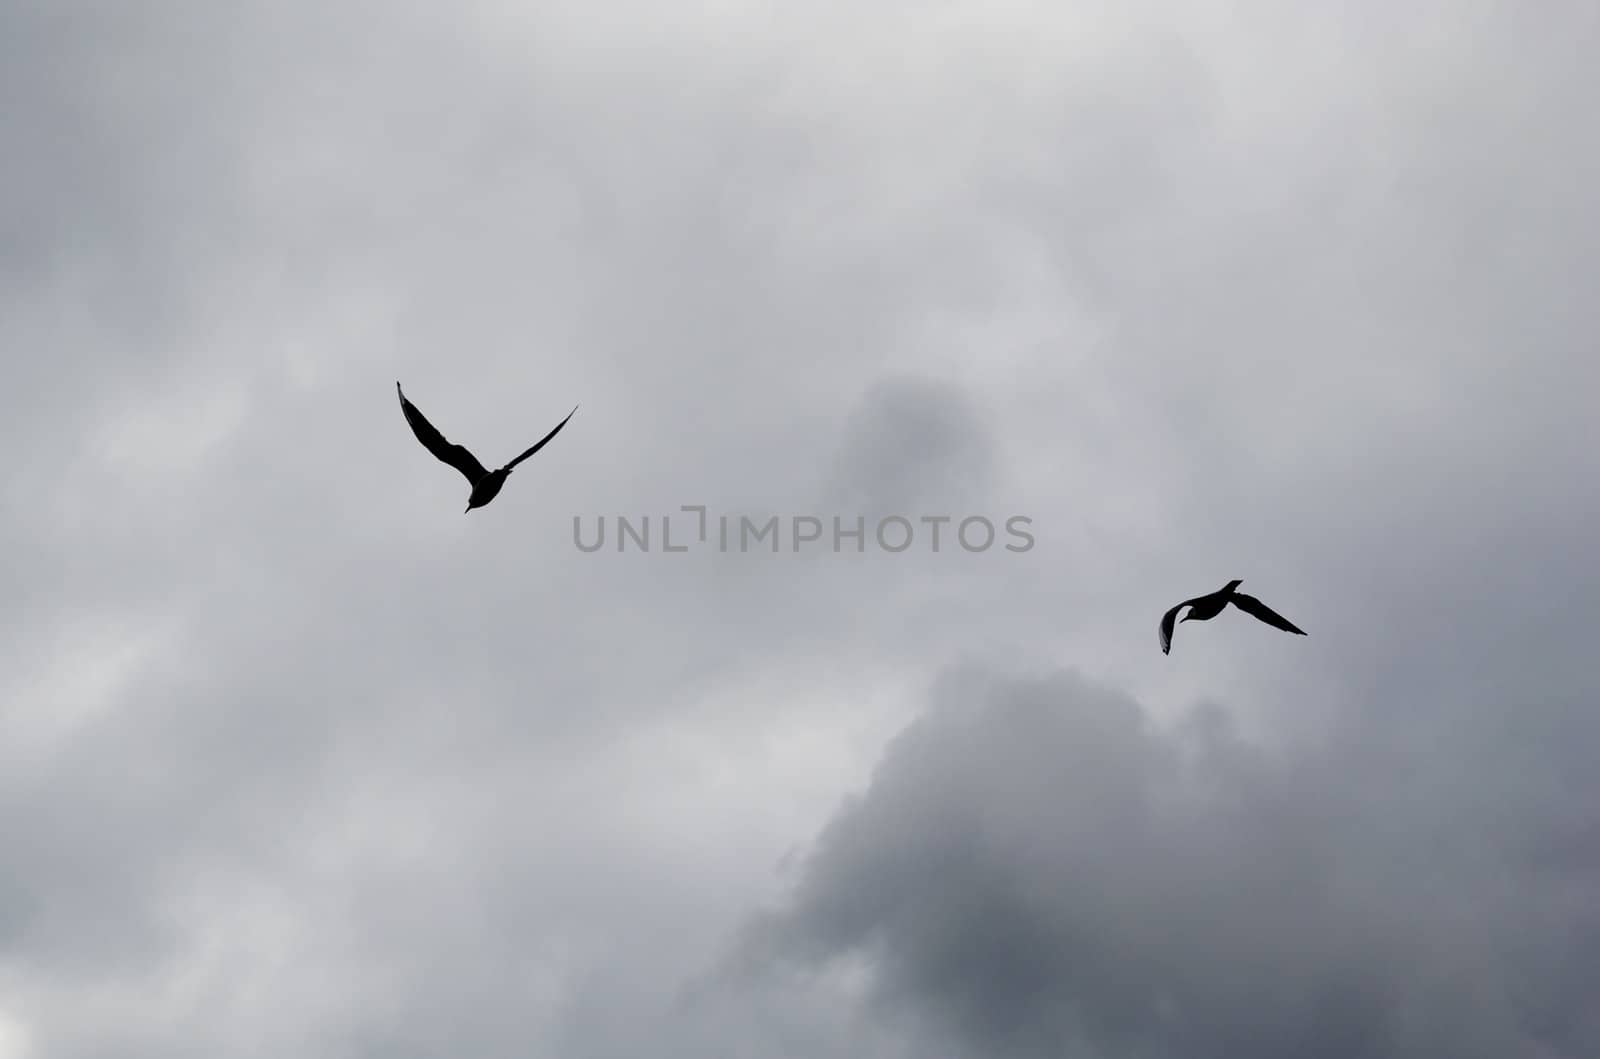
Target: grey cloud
x=1039 y=869
x=297 y=759
x=912 y=447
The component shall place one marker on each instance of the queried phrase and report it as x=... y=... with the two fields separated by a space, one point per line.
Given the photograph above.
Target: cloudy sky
x=298 y=759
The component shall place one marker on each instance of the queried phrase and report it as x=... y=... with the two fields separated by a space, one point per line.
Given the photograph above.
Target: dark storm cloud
x=1040 y=870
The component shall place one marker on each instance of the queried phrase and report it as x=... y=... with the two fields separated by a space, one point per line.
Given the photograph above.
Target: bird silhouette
x=1204 y=608
x=486 y=484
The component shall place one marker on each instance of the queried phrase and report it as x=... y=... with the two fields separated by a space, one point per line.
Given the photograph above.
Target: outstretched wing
x=542 y=441
x=1168 y=620
x=1257 y=609
x=455 y=455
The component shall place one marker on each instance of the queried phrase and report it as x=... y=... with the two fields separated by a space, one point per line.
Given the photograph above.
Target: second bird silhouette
x=486 y=484
x=1204 y=608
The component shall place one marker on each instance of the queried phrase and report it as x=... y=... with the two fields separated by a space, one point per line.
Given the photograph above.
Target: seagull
x=1204 y=608
x=486 y=484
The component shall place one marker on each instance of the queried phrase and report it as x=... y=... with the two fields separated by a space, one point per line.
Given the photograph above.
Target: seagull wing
x=542 y=441
x=455 y=455
x=1257 y=609
x=1168 y=620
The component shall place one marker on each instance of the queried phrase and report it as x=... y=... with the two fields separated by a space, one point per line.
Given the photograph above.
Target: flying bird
x=1204 y=608
x=486 y=484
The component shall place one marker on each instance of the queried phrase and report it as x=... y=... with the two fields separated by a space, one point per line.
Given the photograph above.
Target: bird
x=486 y=484
x=1204 y=608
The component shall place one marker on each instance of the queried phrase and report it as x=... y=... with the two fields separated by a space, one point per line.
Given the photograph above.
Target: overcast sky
x=298 y=759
